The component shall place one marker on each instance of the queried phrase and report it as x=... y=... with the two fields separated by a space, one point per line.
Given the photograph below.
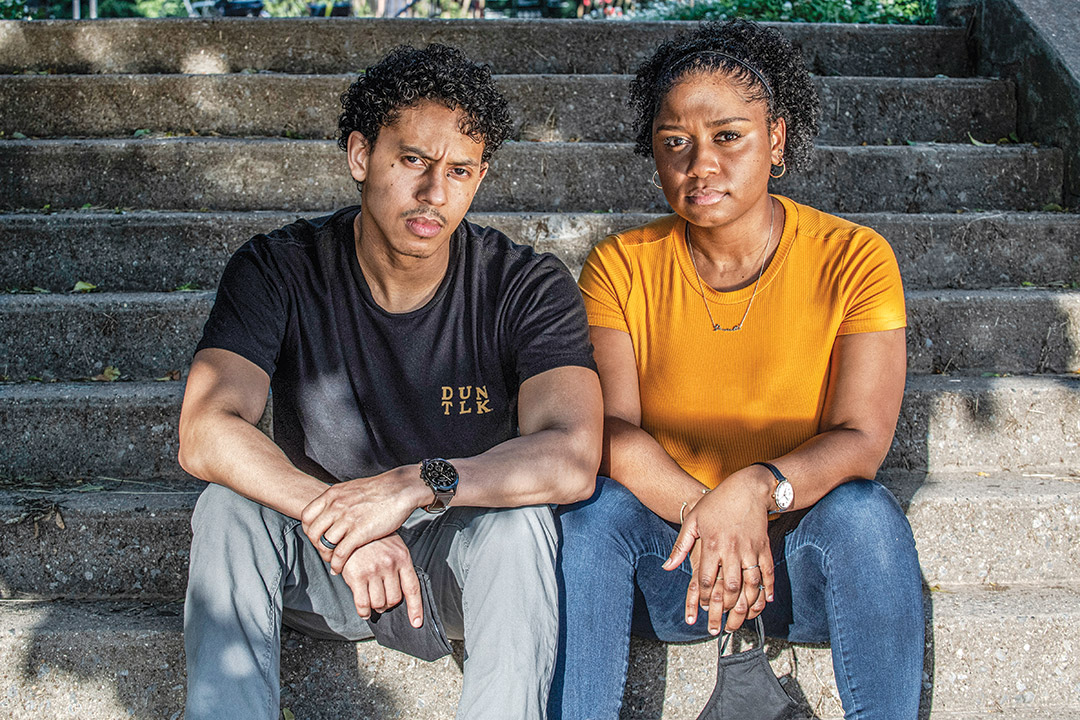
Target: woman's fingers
x=684 y=544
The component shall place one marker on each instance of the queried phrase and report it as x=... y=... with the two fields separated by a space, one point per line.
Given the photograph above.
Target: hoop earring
x=656 y=180
x=783 y=170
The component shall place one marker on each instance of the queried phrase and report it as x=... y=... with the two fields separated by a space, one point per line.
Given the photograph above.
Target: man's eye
x=460 y=172
x=412 y=160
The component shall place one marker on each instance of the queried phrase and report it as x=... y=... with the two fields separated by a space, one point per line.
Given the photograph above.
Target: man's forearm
x=549 y=466
x=228 y=450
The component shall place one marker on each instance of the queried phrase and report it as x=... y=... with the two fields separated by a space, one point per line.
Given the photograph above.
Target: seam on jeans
x=838 y=642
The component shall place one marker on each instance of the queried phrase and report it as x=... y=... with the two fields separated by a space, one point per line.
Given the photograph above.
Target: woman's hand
x=726 y=536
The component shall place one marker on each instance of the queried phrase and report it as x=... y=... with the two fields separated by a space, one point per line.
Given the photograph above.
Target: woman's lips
x=424 y=227
x=705 y=197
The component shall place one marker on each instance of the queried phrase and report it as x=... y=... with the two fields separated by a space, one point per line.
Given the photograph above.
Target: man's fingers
x=376 y=594
x=360 y=600
x=410 y=588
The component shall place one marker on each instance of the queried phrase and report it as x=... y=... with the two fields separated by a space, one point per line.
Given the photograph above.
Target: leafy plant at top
x=841 y=11
x=186 y=287
x=110 y=374
x=84 y=287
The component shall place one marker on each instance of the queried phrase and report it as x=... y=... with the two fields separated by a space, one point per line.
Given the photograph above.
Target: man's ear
x=482 y=173
x=358 y=152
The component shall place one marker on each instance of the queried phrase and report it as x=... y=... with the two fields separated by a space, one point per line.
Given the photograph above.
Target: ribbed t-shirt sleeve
x=547 y=321
x=250 y=311
x=605 y=283
x=872 y=290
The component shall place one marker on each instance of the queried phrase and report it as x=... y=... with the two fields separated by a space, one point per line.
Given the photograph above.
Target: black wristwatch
x=442 y=478
x=783 y=495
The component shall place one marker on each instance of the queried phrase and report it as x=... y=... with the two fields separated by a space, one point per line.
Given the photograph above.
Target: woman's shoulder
x=643 y=236
x=815 y=225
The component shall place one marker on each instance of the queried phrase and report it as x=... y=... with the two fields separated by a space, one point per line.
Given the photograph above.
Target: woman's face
x=714 y=149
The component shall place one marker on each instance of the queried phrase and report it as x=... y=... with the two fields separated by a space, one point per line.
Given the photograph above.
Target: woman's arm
x=862 y=404
x=630 y=455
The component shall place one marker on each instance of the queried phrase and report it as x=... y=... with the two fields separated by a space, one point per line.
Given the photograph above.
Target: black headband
x=742 y=63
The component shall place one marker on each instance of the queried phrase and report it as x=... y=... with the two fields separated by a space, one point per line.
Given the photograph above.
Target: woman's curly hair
x=438 y=72
x=764 y=49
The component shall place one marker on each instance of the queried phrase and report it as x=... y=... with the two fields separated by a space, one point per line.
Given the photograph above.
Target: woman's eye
x=728 y=136
x=672 y=142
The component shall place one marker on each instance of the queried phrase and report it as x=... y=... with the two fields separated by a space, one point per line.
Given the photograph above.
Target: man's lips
x=424 y=226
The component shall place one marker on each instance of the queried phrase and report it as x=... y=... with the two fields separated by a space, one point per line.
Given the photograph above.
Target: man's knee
x=523 y=531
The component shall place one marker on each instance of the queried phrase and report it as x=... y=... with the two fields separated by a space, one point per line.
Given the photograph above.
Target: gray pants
x=252 y=569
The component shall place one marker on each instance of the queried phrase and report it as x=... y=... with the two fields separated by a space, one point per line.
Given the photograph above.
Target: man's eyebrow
x=712 y=123
x=413 y=150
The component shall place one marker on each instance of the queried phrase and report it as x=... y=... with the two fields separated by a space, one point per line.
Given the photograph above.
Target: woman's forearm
x=635 y=459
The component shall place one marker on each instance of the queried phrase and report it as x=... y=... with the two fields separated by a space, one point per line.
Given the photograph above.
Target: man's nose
x=432 y=189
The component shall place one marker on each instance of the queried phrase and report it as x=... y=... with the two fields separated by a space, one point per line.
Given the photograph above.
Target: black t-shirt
x=358 y=390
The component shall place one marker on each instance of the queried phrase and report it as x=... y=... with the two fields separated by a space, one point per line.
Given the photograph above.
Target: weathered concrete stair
x=985 y=457
x=545 y=107
x=152 y=251
x=146 y=335
x=136 y=667
x=245 y=174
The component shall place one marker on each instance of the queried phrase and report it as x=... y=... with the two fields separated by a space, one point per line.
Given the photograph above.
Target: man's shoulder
x=495 y=253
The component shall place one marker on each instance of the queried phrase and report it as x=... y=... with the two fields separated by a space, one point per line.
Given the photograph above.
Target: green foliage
x=814 y=11
x=12 y=10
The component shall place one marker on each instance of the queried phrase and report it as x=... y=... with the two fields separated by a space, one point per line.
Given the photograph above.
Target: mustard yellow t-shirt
x=719 y=401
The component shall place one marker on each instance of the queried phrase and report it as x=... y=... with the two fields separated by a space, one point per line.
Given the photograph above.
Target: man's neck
x=398 y=283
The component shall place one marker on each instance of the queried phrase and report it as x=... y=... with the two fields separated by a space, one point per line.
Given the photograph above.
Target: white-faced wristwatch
x=442 y=478
x=783 y=494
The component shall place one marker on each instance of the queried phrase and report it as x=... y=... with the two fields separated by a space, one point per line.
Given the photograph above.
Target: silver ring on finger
x=326 y=543
x=760 y=587
x=752 y=567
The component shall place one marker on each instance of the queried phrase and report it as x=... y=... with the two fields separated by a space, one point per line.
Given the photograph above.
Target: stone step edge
x=60 y=626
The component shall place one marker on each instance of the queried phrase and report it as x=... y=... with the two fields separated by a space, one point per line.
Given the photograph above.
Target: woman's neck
x=733 y=256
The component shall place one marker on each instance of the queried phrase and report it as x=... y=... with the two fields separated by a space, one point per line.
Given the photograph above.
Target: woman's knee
x=862 y=521
x=610 y=507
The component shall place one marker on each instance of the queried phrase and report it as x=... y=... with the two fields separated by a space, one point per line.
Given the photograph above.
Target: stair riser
x=306 y=175
x=146 y=335
x=331 y=45
x=551 y=107
x=972 y=424
x=136 y=545
x=162 y=251
x=106 y=667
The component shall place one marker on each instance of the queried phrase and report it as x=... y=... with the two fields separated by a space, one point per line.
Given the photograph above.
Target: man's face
x=419 y=180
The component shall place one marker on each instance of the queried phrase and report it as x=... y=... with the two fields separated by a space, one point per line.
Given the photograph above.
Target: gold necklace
x=701 y=287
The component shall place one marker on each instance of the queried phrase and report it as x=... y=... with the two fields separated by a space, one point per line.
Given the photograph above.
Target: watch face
x=439 y=474
x=784 y=495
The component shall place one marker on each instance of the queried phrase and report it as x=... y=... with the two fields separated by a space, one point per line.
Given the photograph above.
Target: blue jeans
x=847 y=574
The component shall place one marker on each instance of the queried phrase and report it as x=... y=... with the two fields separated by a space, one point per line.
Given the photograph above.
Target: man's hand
x=380 y=574
x=354 y=513
x=726 y=536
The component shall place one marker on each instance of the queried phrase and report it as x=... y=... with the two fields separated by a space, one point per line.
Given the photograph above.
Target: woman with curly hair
x=752 y=358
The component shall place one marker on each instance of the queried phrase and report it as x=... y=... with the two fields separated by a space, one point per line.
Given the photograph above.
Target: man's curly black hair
x=793 y=97
x=438 y=72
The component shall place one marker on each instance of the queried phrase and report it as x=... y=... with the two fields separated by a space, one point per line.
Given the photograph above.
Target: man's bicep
x=223 y=381
x=564 y=398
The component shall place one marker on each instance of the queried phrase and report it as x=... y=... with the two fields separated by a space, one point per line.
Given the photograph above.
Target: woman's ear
x=778 y=141
x=358 y=152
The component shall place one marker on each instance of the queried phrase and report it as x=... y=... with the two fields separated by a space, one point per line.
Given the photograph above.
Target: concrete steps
x=149 y=251
x=246 y=174
x=979 y=666
x=106 y=538
x=333 y=45
x=95 y=509
x=145 y=335
x=857 y=110
x=128 y=429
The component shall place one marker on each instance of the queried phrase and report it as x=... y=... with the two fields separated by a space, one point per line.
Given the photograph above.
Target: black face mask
x=746 y=688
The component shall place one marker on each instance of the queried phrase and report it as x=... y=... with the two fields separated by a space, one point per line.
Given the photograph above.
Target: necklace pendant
x=716 y=328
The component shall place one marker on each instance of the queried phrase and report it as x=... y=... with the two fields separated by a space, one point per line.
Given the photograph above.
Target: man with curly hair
x=393 y=335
